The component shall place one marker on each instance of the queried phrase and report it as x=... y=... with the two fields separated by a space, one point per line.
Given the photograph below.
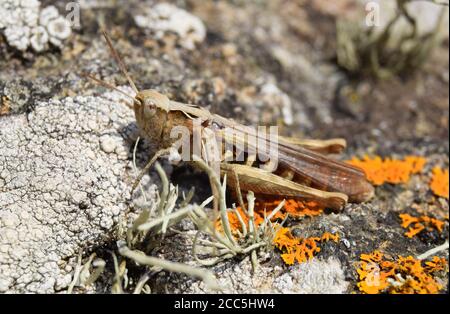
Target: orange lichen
x=330 y=237
x=416 y=225
x=436 y=264
x=299 y=209
x=405 y=275
x=395 y=171
x=235 y=224
x=439 y=182
x=234 y=221
x=293 y=208
x=299 y=249
x=416 y=163
x=284 y=240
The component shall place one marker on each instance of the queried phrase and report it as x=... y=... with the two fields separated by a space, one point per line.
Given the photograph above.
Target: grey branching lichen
x=220 y=247
x=25 y=24
x=210 y=245
x=88 y=273
x=400 y=45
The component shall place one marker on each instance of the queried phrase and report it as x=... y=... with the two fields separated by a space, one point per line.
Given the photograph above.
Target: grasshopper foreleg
x=237 y=188
x=158 y=154
x=211 y=155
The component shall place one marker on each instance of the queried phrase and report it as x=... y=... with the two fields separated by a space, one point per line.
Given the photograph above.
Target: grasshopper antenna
x=119 y=61
x=108 y=85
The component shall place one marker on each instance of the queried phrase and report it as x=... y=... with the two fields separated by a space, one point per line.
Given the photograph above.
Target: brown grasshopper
x=304 y=171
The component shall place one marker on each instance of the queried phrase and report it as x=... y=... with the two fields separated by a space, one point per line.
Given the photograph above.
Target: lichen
x=58 y=189
x=396 y=42
x=389 y=170
x=299 y=249
x=420 y=224
x=439 y=182
x=405 y=275
x=25 y=24
x=292 y=208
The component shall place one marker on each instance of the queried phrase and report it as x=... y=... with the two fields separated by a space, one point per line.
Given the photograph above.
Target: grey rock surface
x=64 y=171
x=26 y=24
x=313 y=277
x=318 y=276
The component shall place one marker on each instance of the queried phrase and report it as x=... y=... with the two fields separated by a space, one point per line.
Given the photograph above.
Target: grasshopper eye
x=149 y=111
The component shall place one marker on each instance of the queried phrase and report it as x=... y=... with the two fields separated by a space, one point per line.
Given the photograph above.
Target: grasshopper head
x=151 y=109
x=149 y=101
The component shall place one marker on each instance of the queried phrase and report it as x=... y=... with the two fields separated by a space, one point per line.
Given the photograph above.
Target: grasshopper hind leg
x=331 y=146
x=266 y=183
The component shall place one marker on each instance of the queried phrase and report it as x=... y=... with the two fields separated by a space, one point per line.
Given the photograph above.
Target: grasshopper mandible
x=304 y=171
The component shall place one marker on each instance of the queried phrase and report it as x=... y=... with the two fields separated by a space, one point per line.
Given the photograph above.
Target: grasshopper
x=304 y=171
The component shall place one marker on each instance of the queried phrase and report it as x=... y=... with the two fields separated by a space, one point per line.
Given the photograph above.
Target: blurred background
x=373 y=72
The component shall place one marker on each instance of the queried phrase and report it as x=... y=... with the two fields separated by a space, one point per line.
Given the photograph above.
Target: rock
x=66 y=166
x=25 y=24
x=275 y=97
x=313 y=277
x=316 y=276
x=54 y=197
x=165 y=17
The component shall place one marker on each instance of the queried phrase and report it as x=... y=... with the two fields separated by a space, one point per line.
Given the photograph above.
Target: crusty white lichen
x=316 y=276
x=65 y=177
x=313 y=277
x=24 y=24
x=165 y=17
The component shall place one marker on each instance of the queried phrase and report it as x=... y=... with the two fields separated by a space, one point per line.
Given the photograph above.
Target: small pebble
x=107 y=144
